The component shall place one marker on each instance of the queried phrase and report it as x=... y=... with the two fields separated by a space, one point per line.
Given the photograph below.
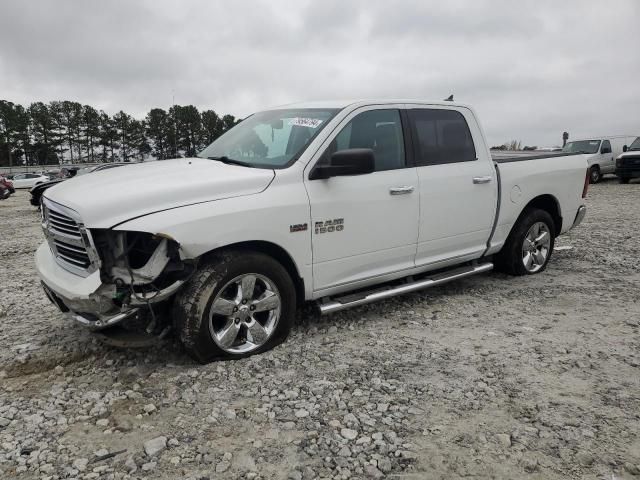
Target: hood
x=630 y=154
x=109 y=197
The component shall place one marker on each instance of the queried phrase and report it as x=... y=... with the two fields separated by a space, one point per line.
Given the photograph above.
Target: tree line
x=69 y=132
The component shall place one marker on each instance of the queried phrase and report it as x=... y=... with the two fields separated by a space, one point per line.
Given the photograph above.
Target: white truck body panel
x=451 y=228
x=150 y=187
x=525 y=180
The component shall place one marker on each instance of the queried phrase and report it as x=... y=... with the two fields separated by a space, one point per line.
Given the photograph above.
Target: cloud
x=532 y=69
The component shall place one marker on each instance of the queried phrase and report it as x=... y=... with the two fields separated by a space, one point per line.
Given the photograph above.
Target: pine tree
x=91 y=124
x=43 y=130
x=157 y=131
x=66 y=131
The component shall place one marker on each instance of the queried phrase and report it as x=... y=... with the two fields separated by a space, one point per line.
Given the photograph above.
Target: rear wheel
x=529 y=246
x=237 y=304
x=594 y=174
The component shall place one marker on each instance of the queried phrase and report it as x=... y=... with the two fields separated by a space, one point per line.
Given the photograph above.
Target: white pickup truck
x=337 y=203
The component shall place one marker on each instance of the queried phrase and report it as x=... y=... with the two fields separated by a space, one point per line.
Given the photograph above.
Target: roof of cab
x=354 y=103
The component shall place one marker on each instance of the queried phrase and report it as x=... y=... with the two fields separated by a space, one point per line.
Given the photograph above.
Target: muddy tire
x=237 y=304
x=529 y=246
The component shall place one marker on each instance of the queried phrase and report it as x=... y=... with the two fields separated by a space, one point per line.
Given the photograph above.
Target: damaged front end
x=139 y=272
x=101 y=277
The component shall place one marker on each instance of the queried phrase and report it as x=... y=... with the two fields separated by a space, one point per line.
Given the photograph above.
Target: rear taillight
x=586 y=185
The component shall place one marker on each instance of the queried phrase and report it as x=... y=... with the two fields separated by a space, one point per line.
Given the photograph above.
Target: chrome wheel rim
x=245 y=313
x=536 y=247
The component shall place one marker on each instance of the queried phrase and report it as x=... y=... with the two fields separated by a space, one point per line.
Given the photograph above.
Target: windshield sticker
x=594 y=142
x=305 y=122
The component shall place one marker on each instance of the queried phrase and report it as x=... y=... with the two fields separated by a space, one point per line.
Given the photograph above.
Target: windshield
x=582 y=146
x=271 y=139
x=635 y=145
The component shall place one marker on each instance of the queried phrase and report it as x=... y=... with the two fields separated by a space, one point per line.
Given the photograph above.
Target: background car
x=7 y=183
x=37 y=191
x=28 y=180
x=4 y=192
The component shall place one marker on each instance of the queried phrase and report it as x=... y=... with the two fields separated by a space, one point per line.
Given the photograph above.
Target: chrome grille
x=63 y=224
x=72 y=254
x=69 y=241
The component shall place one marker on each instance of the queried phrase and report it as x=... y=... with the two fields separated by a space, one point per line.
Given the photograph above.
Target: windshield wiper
x=230 y=161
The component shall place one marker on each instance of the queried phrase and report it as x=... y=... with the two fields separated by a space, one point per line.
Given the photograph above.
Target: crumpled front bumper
x=84 y=299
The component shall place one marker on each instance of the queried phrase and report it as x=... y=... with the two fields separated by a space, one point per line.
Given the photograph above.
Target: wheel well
x=549 y=204
x=277 y=253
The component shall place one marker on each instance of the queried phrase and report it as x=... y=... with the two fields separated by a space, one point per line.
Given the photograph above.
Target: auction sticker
x=305 y=122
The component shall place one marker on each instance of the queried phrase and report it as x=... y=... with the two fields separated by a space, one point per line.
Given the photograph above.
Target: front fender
x=265 y=217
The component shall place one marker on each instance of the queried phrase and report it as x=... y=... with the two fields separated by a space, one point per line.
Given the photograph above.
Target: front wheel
x=624 y=180
x=594 y=174
x=529 y=246
x=237 y=304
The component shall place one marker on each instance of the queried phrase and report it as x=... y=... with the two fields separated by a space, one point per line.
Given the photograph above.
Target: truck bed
x=498 y=158
x=524 y=177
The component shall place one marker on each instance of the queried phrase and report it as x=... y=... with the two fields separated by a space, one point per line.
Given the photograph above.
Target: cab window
x=379 y=130
x=441 y=136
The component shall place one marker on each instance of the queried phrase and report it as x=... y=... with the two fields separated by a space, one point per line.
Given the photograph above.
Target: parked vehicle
x=28 y=180
x=601 y=152
x=321 y=202
x=8 y=184
x=37 y=191
x=4 y=192
x=99 y=168
x=628 y=163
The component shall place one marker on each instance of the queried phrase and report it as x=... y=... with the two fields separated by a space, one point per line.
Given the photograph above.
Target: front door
x=458 y=185
x=364 y=226
x=606 y=157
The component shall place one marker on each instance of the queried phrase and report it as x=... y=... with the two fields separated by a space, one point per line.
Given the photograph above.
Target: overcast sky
x=532 y=69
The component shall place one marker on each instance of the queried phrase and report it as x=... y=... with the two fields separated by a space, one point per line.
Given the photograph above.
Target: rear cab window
x=441 y=136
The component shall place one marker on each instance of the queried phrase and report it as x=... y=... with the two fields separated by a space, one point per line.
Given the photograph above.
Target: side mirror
x=353 y=161
x=625 y=148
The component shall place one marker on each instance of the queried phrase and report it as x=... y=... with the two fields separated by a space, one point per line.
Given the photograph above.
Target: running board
x=354 y=300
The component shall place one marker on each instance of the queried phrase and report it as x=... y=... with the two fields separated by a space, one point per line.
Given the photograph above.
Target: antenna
x=175 y=127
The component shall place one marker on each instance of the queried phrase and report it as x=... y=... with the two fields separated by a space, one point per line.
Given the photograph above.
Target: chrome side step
x=354 y=300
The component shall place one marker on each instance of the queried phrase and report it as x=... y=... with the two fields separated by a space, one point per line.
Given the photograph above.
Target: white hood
x=109 y=197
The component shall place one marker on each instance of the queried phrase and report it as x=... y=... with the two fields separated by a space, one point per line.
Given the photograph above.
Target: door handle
x=401 y=190
x=480 y=180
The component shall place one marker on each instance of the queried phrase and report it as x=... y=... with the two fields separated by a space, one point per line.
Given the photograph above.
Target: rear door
x=458 y=185
x=364 y=226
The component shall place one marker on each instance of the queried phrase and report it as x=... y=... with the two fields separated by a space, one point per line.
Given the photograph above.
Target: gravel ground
x=489 y=377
